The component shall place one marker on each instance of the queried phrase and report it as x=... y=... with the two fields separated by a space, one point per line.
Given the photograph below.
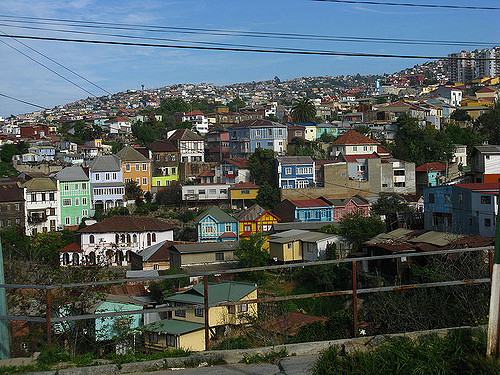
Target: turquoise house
x=75 y=200
x=215 y=225
x=110 y=327
x=330 y=129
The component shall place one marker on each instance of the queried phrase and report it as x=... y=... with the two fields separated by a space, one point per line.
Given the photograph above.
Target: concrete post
x=494 y=321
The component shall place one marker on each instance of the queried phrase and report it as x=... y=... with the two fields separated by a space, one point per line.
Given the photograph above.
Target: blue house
x=304 y=210
x=247 y=136
x=469 y=209
x=295 y=172
x=106 y=181
x=215 y=225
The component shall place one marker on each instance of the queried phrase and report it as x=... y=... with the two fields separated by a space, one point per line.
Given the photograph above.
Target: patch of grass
x=460 y=352
x=141 y=357
x=195 y=361
x=268 y=357
x=87 y=359
x=23 y=369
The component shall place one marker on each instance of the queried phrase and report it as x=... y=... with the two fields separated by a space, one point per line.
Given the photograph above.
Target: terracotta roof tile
x=431 y=167
x=352 y=137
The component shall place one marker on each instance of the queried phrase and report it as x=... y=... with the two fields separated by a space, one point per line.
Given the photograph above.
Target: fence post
x=355 y=297
x=490 y=259
x=48 y=317
x=207 y=322
x=493 y=347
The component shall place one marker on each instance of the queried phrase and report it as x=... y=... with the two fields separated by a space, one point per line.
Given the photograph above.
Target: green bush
x=50 y=356
x=141 y=357
x=268 y=357
x=460 y=352
x=234 y=343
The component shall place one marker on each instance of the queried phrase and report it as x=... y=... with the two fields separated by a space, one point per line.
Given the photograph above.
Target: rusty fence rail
x=49 y=320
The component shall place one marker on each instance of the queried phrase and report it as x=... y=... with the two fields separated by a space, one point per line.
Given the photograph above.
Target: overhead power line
x=22 y=101
x=42 y=64
x=220 y=32
x=59 y=64
x=335 y=39
x=444 y=6
x=259 y=50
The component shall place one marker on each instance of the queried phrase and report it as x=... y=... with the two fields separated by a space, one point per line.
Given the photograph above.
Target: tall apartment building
x=486 y=63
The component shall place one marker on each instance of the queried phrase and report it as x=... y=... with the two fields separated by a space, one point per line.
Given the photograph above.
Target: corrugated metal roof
x=225 y=291
x=40 y=184
x=436 y=238
x=173 y=326
x=69 y=174
x=105 y=163
x=205 y=247
x=217 y=214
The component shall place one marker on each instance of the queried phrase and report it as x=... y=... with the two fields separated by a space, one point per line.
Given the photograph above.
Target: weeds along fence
x=49 y=320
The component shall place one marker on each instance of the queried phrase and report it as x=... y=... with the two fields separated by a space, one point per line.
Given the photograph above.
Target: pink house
x=346 y=206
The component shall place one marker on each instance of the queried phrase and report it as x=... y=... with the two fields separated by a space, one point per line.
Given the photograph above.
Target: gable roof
x=185 y=135
x=11 y=193
x=203 y=247
x=352 y=137
x=305 y=203
x=253 y=213
x=355 y=158
x=130 y=154
x=105 y=163
x=287 y=160
x=163 y=145
x=40 y=184
x=158 y=252
x=238 y=162
x=71 y=174
x=74 y=247
x=341 y=202
x=128 y=224
x=225 y=291
x=488 y=149
x=217 y=214
x=431 y=167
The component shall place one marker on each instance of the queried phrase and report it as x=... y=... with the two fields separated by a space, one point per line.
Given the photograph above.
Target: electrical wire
x=223 y=32
x=22 y=101
x=45 y=66
x=59 y=64
x=257 y=50
x=340 y=39
x=410 y=4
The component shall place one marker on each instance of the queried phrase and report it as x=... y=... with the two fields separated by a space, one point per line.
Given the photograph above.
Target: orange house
x=135 y=167
x=255 y=220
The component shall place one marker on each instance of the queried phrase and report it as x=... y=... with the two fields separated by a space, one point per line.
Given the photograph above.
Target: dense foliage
x=303 y=110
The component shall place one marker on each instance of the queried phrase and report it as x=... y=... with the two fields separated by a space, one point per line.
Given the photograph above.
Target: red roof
x=206 y=174
x=194 y=113
x=119 y=119
x=304 y=203
x=74 y=247
x=228 y=235
x=354 y=158
x=431 y=167
x=128 y=224
x=484 y=90
x=244 y=185
x=238 y=162
x=484 y=186
x=352 y=137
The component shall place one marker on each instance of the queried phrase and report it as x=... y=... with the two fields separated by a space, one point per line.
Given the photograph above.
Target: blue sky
x=119 y=68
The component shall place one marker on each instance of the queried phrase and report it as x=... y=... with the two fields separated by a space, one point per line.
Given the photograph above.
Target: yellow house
x=243 y=191
x=255 y=220
x=285 y=249
x=186 y=329
x=135 y=167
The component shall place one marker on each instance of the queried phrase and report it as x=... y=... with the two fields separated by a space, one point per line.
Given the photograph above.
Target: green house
x=75 y=201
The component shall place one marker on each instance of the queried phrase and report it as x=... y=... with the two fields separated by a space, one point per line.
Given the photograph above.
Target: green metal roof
x=40 y=184
x=217 y=214
x=225 y=291
x=173 y=326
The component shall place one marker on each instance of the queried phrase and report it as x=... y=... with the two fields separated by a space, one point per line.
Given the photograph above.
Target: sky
x=118 y=68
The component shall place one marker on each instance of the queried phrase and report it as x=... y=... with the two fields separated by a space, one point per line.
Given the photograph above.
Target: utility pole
x=494 y=322
x=4 y=324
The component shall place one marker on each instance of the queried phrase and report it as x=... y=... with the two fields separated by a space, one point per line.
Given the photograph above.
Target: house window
x=76 y=186
x=97 y=176
x=181 y=313
x=127 y=167
x=144 y=166
x=231 y=309
x=229 y=227
x=485 y=199
x=153 y=337
x=431 y=198
x=201 y=191
x=33 y=197
x=85 y=213
x=171 y=341
x=158 y=183
x=245 y=192
x=77 y=201
x=91 y=239
x=198 y=312
x=66 y=187
x=66 y=202
x=52 y=197
x=44 y=197
x=487 y=222
x=137 y=167
x=247 y=228
x=288 y=171
x=107 y=176
x=289 y=245
x=460 y=198
x=399 y=172
x=114 y=175
x=84 y=186
x=68 y=221
x=138 y=180
x=243 y=308
x=174 y=170
x=223 y=191
x=212 y=191
x=399 y=184
x=144 y=180
x=355 y=148
x=447 y=198
x=84 y=201
x=219 y=256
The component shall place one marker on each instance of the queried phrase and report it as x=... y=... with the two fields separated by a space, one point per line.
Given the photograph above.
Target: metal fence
x=49 y=320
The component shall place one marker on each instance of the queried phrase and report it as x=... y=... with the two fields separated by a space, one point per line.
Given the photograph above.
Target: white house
x=198 y=120
x=191 y=145
x=110 y=241
x=205 y=192
x=118 y=125
x=42 y=205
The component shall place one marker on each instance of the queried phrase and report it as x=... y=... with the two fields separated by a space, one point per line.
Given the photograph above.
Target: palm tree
x=303 y=110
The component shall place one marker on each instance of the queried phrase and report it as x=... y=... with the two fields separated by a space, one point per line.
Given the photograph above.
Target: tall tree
x=262 y=165
x=489 y=124
x=133 y=190
x=303 y=110
x=268 y=196
x=390 y=205
x=359 y=229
